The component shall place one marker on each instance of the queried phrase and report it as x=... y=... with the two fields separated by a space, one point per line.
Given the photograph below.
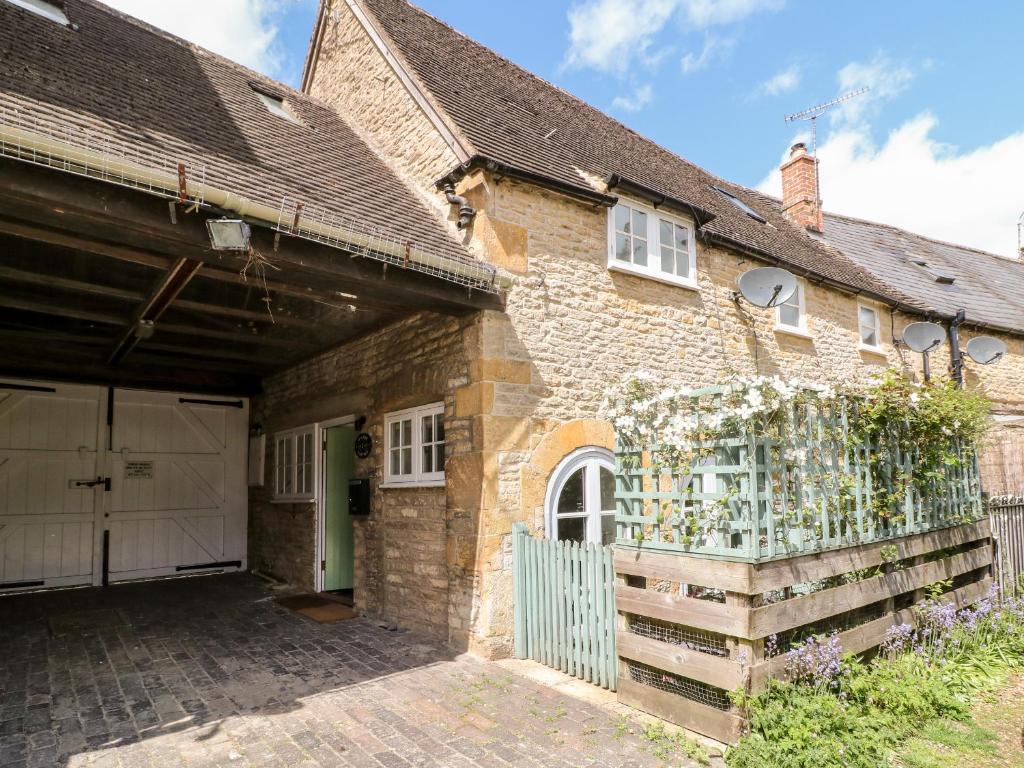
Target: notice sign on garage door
x=138 y=470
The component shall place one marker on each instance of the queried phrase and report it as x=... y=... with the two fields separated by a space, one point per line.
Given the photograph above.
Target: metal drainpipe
x=466 y=211
x=956 y=359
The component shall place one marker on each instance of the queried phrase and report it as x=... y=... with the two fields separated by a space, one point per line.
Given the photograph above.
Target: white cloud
x=714 y=47
x=241 y=30
x=782 y=82
x=707 y=13
x=913 y=181
x=610 y=35
x=885 y=78
x=636 y=101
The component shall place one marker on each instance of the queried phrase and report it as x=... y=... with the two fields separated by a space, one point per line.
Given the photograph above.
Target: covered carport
x=129 y=345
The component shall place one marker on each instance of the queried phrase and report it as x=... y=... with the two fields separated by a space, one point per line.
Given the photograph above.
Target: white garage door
x=124 y=484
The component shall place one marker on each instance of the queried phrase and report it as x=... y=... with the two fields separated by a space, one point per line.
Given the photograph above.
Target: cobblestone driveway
x=209 y=671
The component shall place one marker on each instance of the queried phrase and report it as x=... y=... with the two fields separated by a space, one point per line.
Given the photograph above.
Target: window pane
x=300 y=478
x=396 y=461
x=683 y=263
x=869 y=337
x=439 y=427
x=571 y=498
x=407 y=461
x=668 y=260
x=428 y=429
x=607 y=529
x=639 y=224
x=665 y=233
x=867 y=317
x=789 y=315
x=439 y=457
x=621 y=246
x=396 y=434
x=572 y=529
x=428 y=458
x=682 y=238
x=639 y=251
x=407 y=432
x=607 y=490
x=622 y=218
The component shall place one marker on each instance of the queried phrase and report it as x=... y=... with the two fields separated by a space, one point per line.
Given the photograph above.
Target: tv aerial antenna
x=813 y=113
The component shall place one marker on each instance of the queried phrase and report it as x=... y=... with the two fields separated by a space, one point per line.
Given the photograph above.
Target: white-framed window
x=791 y=315
x=414 y=450
x=869 y=325
x=295 y=464
x=44 y=9
x=580 y=502
x=652 y=243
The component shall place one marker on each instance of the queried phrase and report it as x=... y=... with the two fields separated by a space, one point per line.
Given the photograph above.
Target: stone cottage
x=622 y=256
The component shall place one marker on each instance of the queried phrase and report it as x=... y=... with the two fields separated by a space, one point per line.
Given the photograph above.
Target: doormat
x=321 y=609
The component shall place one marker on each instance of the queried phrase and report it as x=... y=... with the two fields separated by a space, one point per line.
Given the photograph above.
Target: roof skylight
x=276 y=106
x=740 y=204
x=44 y=9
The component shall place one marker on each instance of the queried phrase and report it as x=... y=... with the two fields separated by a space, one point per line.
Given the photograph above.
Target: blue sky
x=936 y=146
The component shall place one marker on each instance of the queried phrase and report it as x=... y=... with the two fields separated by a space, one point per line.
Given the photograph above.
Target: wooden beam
x=108 y=291
x=128 y=217
x=164 y=293
x=105 y=318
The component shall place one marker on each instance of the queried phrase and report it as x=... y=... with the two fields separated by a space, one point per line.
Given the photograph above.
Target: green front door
x=338 y=550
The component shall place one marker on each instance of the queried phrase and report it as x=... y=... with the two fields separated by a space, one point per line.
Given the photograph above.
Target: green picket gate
x=565 y=606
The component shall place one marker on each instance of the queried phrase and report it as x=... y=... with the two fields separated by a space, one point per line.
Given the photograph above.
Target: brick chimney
x=800 y=201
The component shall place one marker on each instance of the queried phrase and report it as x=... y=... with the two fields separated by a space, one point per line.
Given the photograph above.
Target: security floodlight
x=924 y=337
x=228 y=234
x=767 y=286
x=985 y=350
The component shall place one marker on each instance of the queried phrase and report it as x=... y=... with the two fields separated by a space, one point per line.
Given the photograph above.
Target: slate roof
x=120 y=79
x=990 y=288
x=511 y=116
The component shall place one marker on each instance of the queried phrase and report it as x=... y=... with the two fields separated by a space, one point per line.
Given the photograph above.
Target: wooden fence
x=1007 y=517
x=565 y=606
x=754 y=497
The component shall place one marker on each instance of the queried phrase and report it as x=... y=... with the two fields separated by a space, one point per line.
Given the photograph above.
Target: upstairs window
x=651 y=243
x=415 y=446
x=791 y=316
x=295 y=464
x=870 y=327
x=44 y=9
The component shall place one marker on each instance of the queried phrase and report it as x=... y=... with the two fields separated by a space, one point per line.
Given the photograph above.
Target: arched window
x=580 y=502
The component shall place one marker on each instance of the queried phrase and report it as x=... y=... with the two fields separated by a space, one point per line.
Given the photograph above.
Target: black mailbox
x=359 y=496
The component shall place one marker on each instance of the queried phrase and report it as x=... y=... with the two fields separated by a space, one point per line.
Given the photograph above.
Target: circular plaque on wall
x=364 y=443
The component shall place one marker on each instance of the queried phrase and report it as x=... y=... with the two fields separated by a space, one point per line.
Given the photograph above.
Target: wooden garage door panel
x=178 y=476
x=48 y=440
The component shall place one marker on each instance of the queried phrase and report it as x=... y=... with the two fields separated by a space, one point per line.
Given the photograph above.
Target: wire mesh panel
x=694 y=690
x=698 y=640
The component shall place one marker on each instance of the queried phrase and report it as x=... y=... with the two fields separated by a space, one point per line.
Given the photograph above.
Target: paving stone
x=209 y=671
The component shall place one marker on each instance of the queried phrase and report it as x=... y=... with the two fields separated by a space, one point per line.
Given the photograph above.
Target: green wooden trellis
x=564 y=605
x=748 y=499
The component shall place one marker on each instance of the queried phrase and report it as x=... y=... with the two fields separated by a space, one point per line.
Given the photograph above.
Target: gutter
x=480 y=161
x=657 y=199
x=58 y=153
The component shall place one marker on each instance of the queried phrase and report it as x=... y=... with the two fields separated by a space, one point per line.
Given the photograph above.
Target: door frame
x=320 y=440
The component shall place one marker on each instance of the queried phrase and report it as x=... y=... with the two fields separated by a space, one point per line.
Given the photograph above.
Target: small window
x=581 y=498
x=650 y=243
x=276 y=106
x=44 y=9
x=870 y=327
x=415 y=446
x=791 y=315
x=295 y=464
x=740 y=204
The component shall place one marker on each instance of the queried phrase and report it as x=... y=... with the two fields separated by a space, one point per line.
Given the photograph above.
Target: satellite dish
x=924 y=337
x=767 y=286
x=985 y=349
